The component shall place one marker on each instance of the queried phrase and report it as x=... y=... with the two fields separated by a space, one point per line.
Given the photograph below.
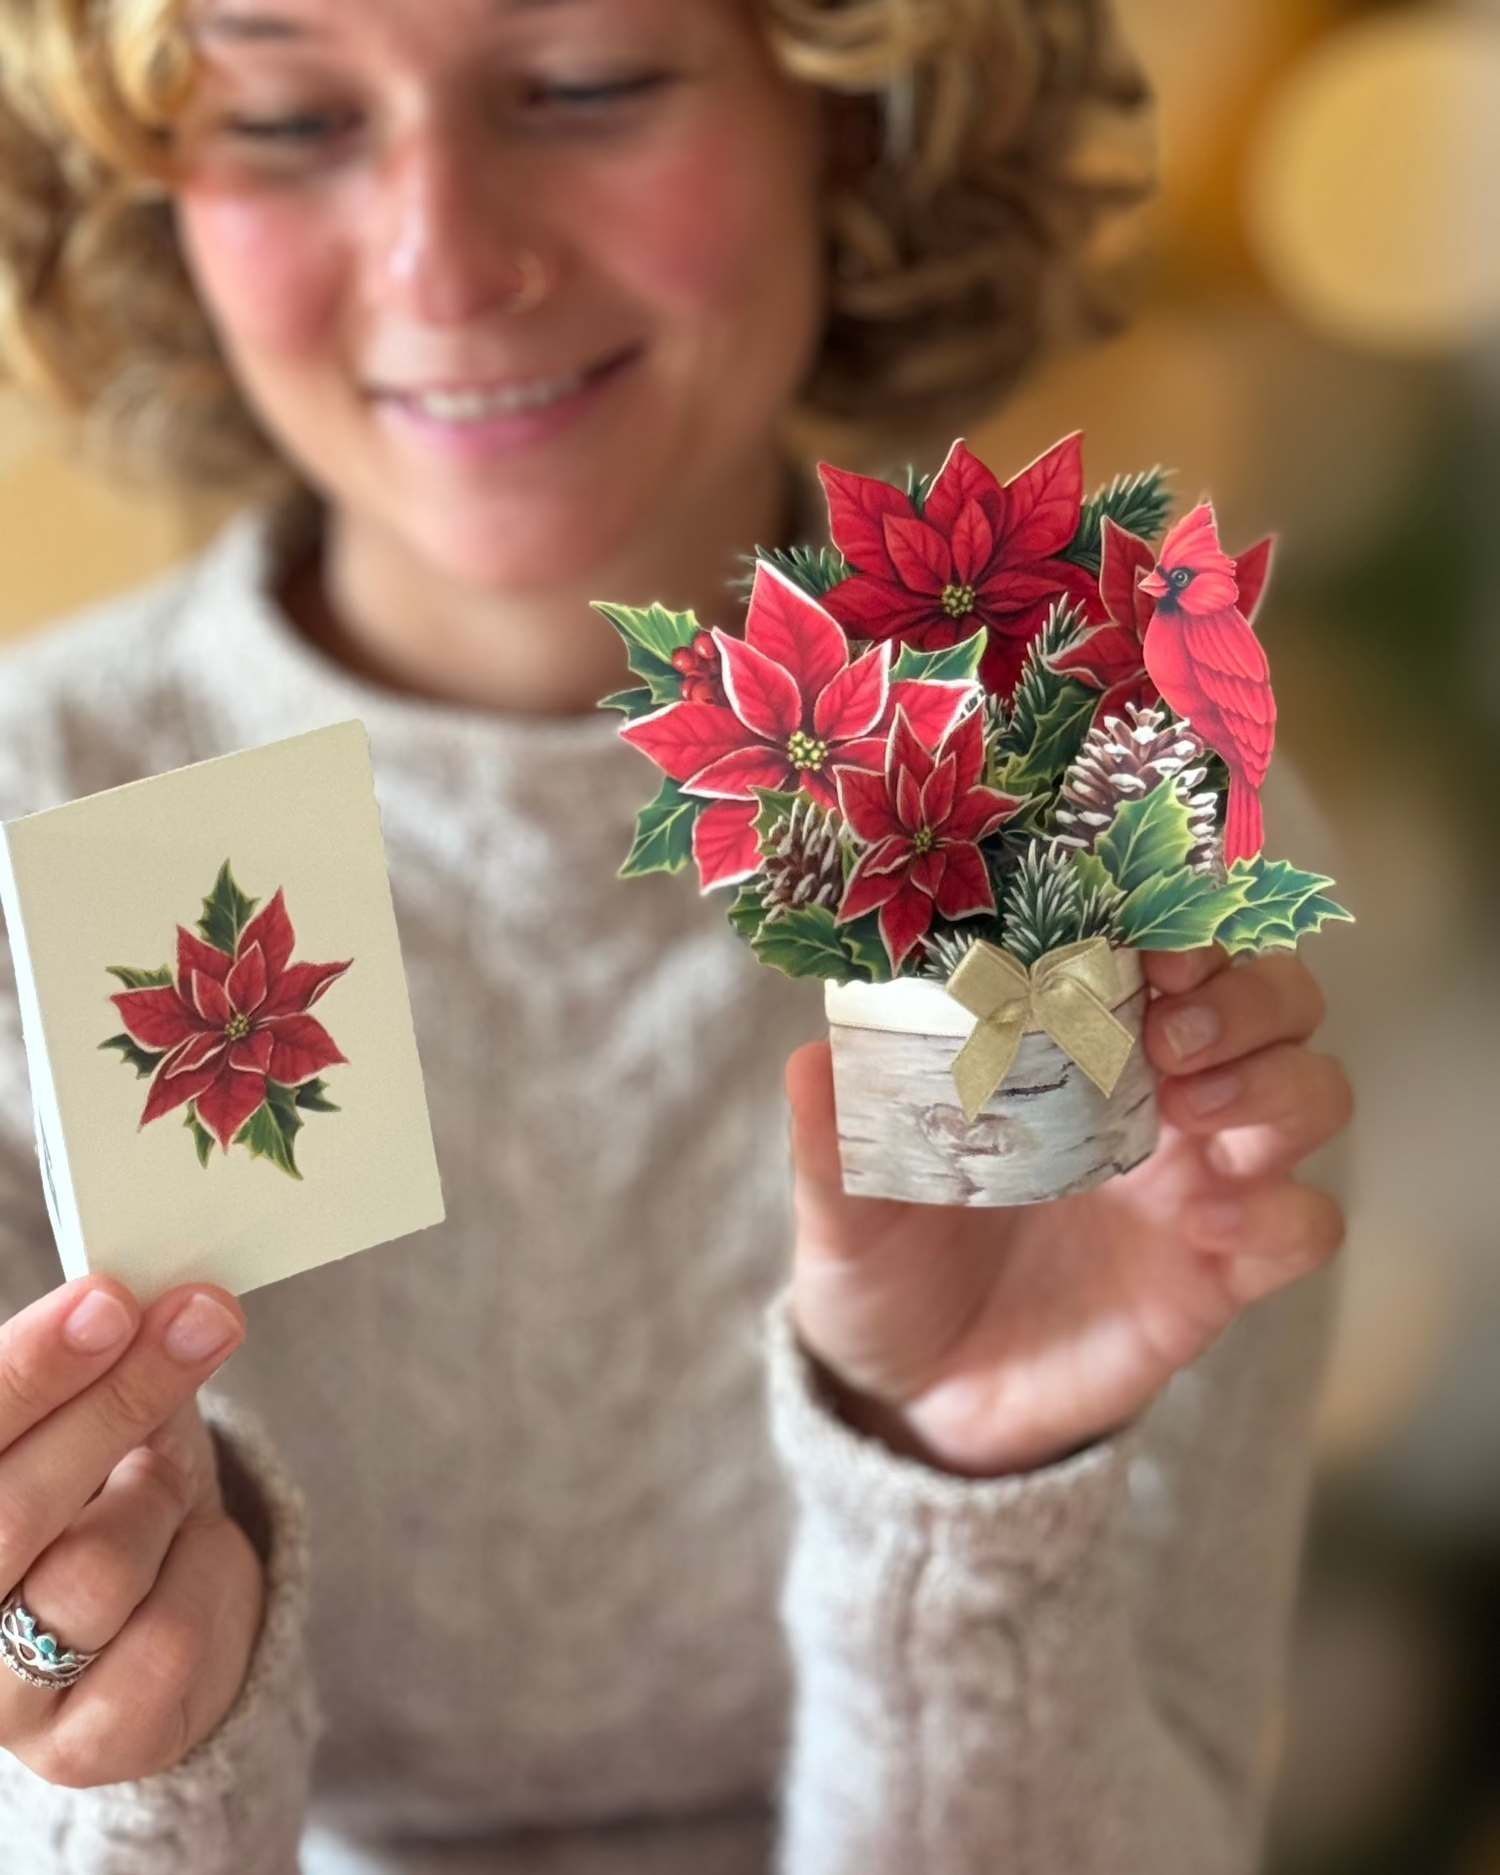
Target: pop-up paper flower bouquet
x=966 y=764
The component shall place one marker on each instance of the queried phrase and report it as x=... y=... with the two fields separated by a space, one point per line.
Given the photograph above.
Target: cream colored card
x=223 y=1067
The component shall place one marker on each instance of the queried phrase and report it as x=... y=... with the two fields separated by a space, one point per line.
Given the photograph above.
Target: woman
x=525 y=294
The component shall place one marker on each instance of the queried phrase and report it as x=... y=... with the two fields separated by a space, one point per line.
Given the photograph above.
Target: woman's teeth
x=478 y=406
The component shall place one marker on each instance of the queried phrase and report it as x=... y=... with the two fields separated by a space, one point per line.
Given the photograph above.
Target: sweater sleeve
x=1075 y=1670
x=235 y=1805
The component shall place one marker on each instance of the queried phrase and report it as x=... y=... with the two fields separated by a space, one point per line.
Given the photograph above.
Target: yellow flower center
x=805 y=751
x=924 y=840
x=239 y=1028
x=959 y=601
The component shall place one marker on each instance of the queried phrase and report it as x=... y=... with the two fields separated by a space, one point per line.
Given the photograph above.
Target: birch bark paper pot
x=1047 y=1132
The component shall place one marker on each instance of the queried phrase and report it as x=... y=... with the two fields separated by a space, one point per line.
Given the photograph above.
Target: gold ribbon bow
x=1065 y=994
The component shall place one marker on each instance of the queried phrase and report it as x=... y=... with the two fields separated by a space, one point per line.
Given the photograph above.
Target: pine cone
x=1123 y=759
x=803 y=865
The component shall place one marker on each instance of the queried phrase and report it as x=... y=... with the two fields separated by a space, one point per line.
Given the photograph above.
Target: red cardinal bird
x=1208 y=664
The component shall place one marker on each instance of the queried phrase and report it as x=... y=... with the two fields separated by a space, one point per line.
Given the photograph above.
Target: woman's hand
x=113 y=1530
x=995 y=1341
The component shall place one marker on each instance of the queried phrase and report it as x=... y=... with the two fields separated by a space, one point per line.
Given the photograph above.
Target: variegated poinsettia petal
x=299 y=986
x=246 y=983
x=736 y=776
x=761 y=693
x=977 y=814
x=170 y=1091
x=965 y=888
x=908 y=793
x=927 y=869
x=271 y=929
x=865 y=802
x=878 y=873
x=965 y=743
x=908 y=751
x=931 y=705
x=196 y=1052
x=193 y=954
x=725 y=844
x=905 y=919
x=303 y=1048
x=157 y=1019
x=856 y=700
x=211 y=1000
x=228 y=1101
x=938 y=791
x=252 y=1054
x=794 y=631
x=683 y=738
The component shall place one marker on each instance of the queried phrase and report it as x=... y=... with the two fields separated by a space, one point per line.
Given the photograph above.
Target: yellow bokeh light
x=1373 y=184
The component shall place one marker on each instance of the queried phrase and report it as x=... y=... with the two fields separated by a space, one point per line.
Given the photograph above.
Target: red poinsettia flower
x=1112 y=657
x=923 y=818
x=977 y=554
x=230 y=1024
x=796 y=712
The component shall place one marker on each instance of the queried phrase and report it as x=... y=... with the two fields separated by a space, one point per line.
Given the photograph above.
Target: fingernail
x=1189 y=1031
x=1217 y=1221
x=1211 y=1093
x=98 y=1323
x=203 y=1328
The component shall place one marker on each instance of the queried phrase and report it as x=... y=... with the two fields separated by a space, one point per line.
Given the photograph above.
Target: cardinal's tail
x=1244 y=829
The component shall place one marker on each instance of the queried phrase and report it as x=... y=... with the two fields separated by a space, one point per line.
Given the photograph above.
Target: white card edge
x=52 y=1165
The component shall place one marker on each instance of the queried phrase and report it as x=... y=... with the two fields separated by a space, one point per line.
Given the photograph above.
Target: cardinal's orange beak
x=1154 y=584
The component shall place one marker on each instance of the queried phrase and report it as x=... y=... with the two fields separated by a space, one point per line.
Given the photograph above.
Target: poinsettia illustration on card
x=234 y=1096
x=964 y=763
x=229 y=1035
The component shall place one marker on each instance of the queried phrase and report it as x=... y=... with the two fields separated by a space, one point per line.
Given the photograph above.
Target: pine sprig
x=1041 y=905
x=1014 y=722
x=816 y=570
x=1142 y=504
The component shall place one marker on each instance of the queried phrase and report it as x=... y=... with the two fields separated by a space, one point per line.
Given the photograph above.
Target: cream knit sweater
x=572 y=1599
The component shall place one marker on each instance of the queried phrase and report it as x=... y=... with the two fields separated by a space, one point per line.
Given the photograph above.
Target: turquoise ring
x=38 y=1659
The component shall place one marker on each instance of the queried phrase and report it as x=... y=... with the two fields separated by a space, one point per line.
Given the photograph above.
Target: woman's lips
x=472 y=424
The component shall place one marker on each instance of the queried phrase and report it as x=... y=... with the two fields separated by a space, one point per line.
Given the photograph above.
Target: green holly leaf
x=131 y=1051
x=663 y=833
x=226 y=912
x=634 y=703
x=651 y=635
x=266 y=1135
x=1280 y=904
x=775 y=804
x=1057 y=734
x=954 y=661
x=203 y=1140
x=312 y=1099
x=1176 y=911
x=141 y=979
x=748 y=912
x=808 y=943
x=867 y=949
x=1147 y=837
x=1093 y=874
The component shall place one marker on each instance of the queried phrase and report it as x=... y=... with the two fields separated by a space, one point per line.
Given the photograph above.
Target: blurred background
x=1320 y=348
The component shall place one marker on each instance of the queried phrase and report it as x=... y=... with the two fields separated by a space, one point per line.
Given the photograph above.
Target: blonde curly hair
x=961 y=223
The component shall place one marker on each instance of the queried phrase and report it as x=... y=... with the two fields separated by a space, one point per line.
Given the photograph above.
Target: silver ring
x=534 y=282
x=38 y=1659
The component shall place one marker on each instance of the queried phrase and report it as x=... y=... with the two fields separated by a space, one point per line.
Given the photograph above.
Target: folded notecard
x=223 y=1069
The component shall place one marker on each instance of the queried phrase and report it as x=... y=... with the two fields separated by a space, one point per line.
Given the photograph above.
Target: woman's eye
x=308 y=128
x=604 y=92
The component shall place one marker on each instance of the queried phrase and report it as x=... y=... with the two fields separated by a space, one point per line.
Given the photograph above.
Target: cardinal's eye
x=1180 y=577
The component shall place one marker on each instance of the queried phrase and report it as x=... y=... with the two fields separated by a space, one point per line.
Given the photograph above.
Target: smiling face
x=504 y=278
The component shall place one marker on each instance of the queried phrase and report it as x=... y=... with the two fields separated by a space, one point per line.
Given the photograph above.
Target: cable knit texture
x=577 y=1604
